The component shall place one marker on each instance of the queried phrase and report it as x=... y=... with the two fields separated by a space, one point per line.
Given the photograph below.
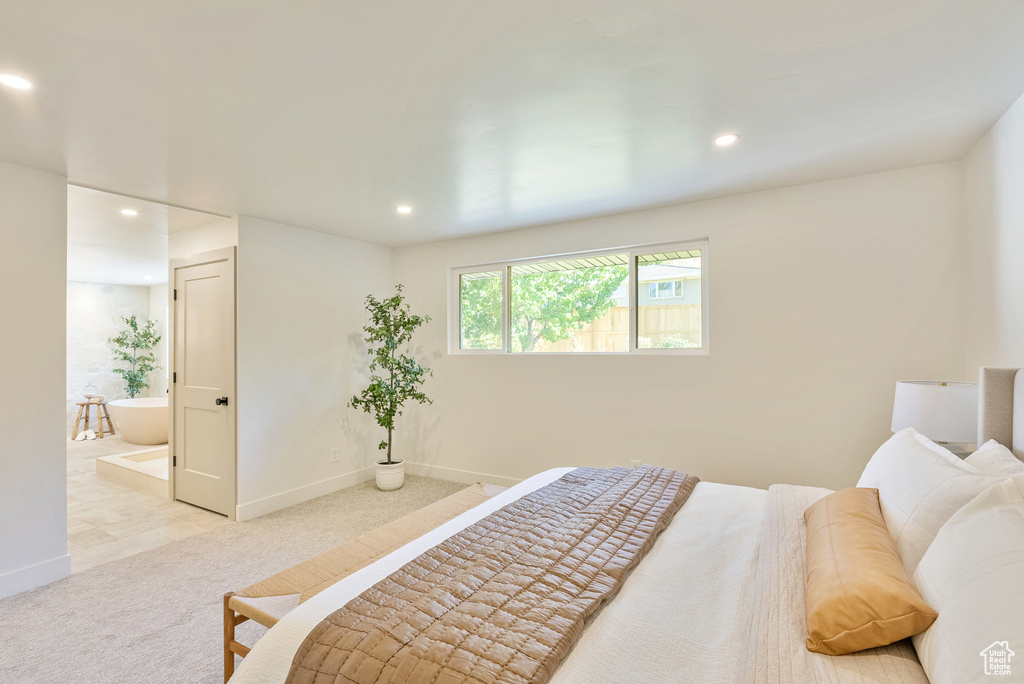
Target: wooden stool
x=101 y=415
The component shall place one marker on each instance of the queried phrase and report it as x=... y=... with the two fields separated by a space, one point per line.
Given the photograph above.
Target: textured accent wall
x=158 y=309
x=94 y=316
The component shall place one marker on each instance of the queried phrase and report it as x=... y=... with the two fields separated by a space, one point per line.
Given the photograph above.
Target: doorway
x=118 y=468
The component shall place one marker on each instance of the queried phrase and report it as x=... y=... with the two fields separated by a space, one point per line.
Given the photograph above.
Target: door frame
x=229 y=254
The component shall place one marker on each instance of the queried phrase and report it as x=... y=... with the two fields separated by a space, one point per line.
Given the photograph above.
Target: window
x=568 y=306
x=480 y=310
x=646 y=299
x=674 y=323
x=664 y=290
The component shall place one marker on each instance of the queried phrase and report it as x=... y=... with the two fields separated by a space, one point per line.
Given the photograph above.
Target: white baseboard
x=456 y=475
x=33 y=576
x=255 y=509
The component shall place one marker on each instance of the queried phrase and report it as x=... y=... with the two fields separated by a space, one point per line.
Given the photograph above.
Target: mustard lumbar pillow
x=858 y=593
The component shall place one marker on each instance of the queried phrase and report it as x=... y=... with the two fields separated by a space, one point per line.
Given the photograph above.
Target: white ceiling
x=105 y=246
x=492 y=115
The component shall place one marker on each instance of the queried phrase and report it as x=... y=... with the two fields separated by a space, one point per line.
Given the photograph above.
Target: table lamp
x=941 y=411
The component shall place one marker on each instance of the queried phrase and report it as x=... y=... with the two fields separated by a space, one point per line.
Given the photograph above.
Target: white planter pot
x=391 y=476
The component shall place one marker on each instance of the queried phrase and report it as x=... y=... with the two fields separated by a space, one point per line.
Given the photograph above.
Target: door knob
x=222 y=401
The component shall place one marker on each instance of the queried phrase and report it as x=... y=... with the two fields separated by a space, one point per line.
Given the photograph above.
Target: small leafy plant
x=134 y=346
x=395 y=377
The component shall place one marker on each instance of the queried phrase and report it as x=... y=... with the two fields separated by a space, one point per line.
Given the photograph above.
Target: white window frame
x=633 y=251
x=455 y=308
x=677 y=289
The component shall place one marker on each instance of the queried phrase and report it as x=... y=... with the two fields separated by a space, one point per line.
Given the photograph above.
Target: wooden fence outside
x=655 y=326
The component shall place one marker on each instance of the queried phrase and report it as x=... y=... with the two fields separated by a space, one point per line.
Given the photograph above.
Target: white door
x=203 y=450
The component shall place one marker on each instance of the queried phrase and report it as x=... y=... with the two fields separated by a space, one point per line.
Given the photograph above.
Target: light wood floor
x=108 y=520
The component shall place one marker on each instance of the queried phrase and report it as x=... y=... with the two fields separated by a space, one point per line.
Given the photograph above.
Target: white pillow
x=972 y=576
x=995 y=460
x=920 y=485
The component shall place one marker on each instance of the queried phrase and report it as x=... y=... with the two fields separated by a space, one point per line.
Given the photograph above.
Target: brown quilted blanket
x=505 y=599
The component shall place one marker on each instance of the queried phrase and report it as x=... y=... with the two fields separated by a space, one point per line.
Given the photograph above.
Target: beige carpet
x=156 y=616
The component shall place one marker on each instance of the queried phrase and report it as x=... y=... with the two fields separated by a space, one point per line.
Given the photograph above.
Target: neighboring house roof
x=666 y=272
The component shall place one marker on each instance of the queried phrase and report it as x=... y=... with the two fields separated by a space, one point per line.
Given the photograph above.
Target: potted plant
x=128 y=345
x=395 y=376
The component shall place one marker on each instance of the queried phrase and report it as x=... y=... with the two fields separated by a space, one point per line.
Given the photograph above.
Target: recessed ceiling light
x=16 y=82
x=129 y=212
x=726 y=139
x=147 y=277
x=403 y=209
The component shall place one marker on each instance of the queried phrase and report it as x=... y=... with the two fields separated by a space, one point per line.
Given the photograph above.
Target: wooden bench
x=269 y=600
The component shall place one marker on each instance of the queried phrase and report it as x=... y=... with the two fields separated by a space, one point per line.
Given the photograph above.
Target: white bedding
x=652 y=638
x=714 y=601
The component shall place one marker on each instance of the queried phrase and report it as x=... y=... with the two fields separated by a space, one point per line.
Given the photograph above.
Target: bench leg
x=231 y=647
x=229 y=637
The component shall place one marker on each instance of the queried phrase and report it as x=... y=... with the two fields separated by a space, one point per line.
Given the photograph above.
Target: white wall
x=994 y=245
x=94 y=316
x=219 y=233
x=300 y=358
x=821 y=297
x=33 y=486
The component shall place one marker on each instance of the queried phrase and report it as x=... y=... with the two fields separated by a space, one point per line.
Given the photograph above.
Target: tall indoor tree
x=396 y=377
x=134 y=346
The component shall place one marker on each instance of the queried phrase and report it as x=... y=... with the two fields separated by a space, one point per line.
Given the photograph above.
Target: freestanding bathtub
x=141 y=421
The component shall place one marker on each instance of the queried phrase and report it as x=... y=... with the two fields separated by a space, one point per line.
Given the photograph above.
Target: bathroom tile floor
x=108 y=520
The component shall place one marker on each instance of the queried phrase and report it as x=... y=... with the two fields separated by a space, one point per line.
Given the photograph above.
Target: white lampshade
x=941 y=411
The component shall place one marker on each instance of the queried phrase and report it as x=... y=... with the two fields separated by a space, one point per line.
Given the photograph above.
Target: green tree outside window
x=549 y=306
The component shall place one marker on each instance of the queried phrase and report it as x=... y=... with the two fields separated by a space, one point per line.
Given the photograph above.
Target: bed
x=718 y=598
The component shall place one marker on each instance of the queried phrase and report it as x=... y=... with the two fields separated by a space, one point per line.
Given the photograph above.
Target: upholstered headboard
x=1001 y=408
